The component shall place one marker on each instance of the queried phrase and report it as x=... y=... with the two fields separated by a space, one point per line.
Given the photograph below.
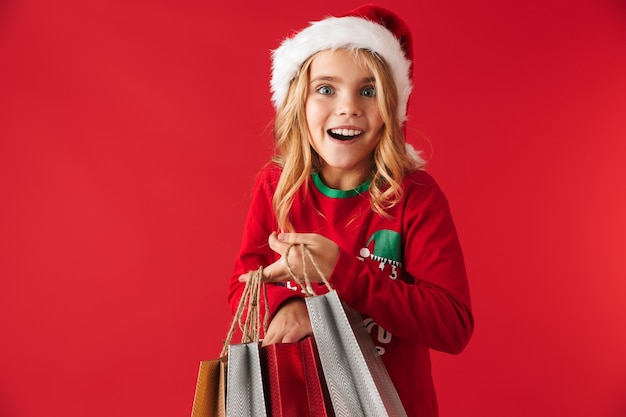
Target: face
x=342 y=114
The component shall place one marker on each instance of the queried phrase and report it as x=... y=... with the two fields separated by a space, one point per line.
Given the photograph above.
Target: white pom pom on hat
x=369 y=27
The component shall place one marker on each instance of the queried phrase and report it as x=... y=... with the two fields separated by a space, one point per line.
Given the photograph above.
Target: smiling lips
x=344 y=134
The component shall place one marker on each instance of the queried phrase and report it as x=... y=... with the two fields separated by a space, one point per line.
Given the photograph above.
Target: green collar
x=332 y=193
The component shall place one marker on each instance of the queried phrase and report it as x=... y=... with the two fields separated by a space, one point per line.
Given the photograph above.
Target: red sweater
x=404 y=273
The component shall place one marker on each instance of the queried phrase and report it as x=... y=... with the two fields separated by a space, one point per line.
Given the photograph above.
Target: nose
x=348 y=105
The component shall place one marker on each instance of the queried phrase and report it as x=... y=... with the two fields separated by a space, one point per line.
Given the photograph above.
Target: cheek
x=315 y=115
x=376 y=119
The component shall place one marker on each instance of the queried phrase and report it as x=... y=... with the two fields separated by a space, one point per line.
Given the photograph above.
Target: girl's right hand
x=324 y=251
x=290 y=323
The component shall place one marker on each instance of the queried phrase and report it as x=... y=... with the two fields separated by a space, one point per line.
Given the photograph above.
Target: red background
x=130 y=134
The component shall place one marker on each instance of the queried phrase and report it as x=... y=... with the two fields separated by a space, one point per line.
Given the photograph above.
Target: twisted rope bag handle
x=305 y=282
x=251 y=296
x=250 y=300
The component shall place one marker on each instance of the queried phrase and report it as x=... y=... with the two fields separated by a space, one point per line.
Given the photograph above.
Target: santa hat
x=369 y=27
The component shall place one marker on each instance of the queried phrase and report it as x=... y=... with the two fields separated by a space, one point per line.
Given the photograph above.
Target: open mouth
x=344 y=134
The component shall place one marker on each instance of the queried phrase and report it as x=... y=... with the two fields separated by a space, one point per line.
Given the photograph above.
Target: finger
x=268 y=274
x=270 y=339
x=296 y=238
x=276 y=244
x=275 y=272
x=298 y=333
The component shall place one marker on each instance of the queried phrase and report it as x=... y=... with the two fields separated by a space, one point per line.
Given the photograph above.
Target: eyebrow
x=332 y=79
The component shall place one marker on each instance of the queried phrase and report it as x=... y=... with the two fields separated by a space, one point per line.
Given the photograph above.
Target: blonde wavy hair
x=391 y=160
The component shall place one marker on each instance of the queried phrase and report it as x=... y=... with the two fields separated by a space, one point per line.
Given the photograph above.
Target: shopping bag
x=210 y=396
x=357 y=380
x=294 y=380
x=245 y=395
x=231 y=385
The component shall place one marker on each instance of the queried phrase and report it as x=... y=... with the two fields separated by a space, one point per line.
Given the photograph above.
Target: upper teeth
x=346 y=132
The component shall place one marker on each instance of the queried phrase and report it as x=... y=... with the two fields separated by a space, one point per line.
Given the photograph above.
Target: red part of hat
x=389 y=20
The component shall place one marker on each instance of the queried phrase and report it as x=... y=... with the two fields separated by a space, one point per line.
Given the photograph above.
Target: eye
x=368 y=92
x=325 y=90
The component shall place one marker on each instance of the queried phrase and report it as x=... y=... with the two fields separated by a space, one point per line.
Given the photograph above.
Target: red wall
x=130 y=134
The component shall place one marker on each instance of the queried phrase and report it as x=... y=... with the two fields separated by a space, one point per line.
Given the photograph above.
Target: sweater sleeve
x=430 y=302
x=255 y=251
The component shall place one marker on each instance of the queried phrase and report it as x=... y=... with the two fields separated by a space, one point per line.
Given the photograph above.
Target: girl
x=345 y=183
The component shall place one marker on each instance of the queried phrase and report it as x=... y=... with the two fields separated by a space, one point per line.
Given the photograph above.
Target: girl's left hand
x=324 y=251
x=290 y=323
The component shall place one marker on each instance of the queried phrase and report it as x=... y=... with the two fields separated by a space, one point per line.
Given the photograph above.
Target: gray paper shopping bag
x=244 y=384
x=357 y=379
